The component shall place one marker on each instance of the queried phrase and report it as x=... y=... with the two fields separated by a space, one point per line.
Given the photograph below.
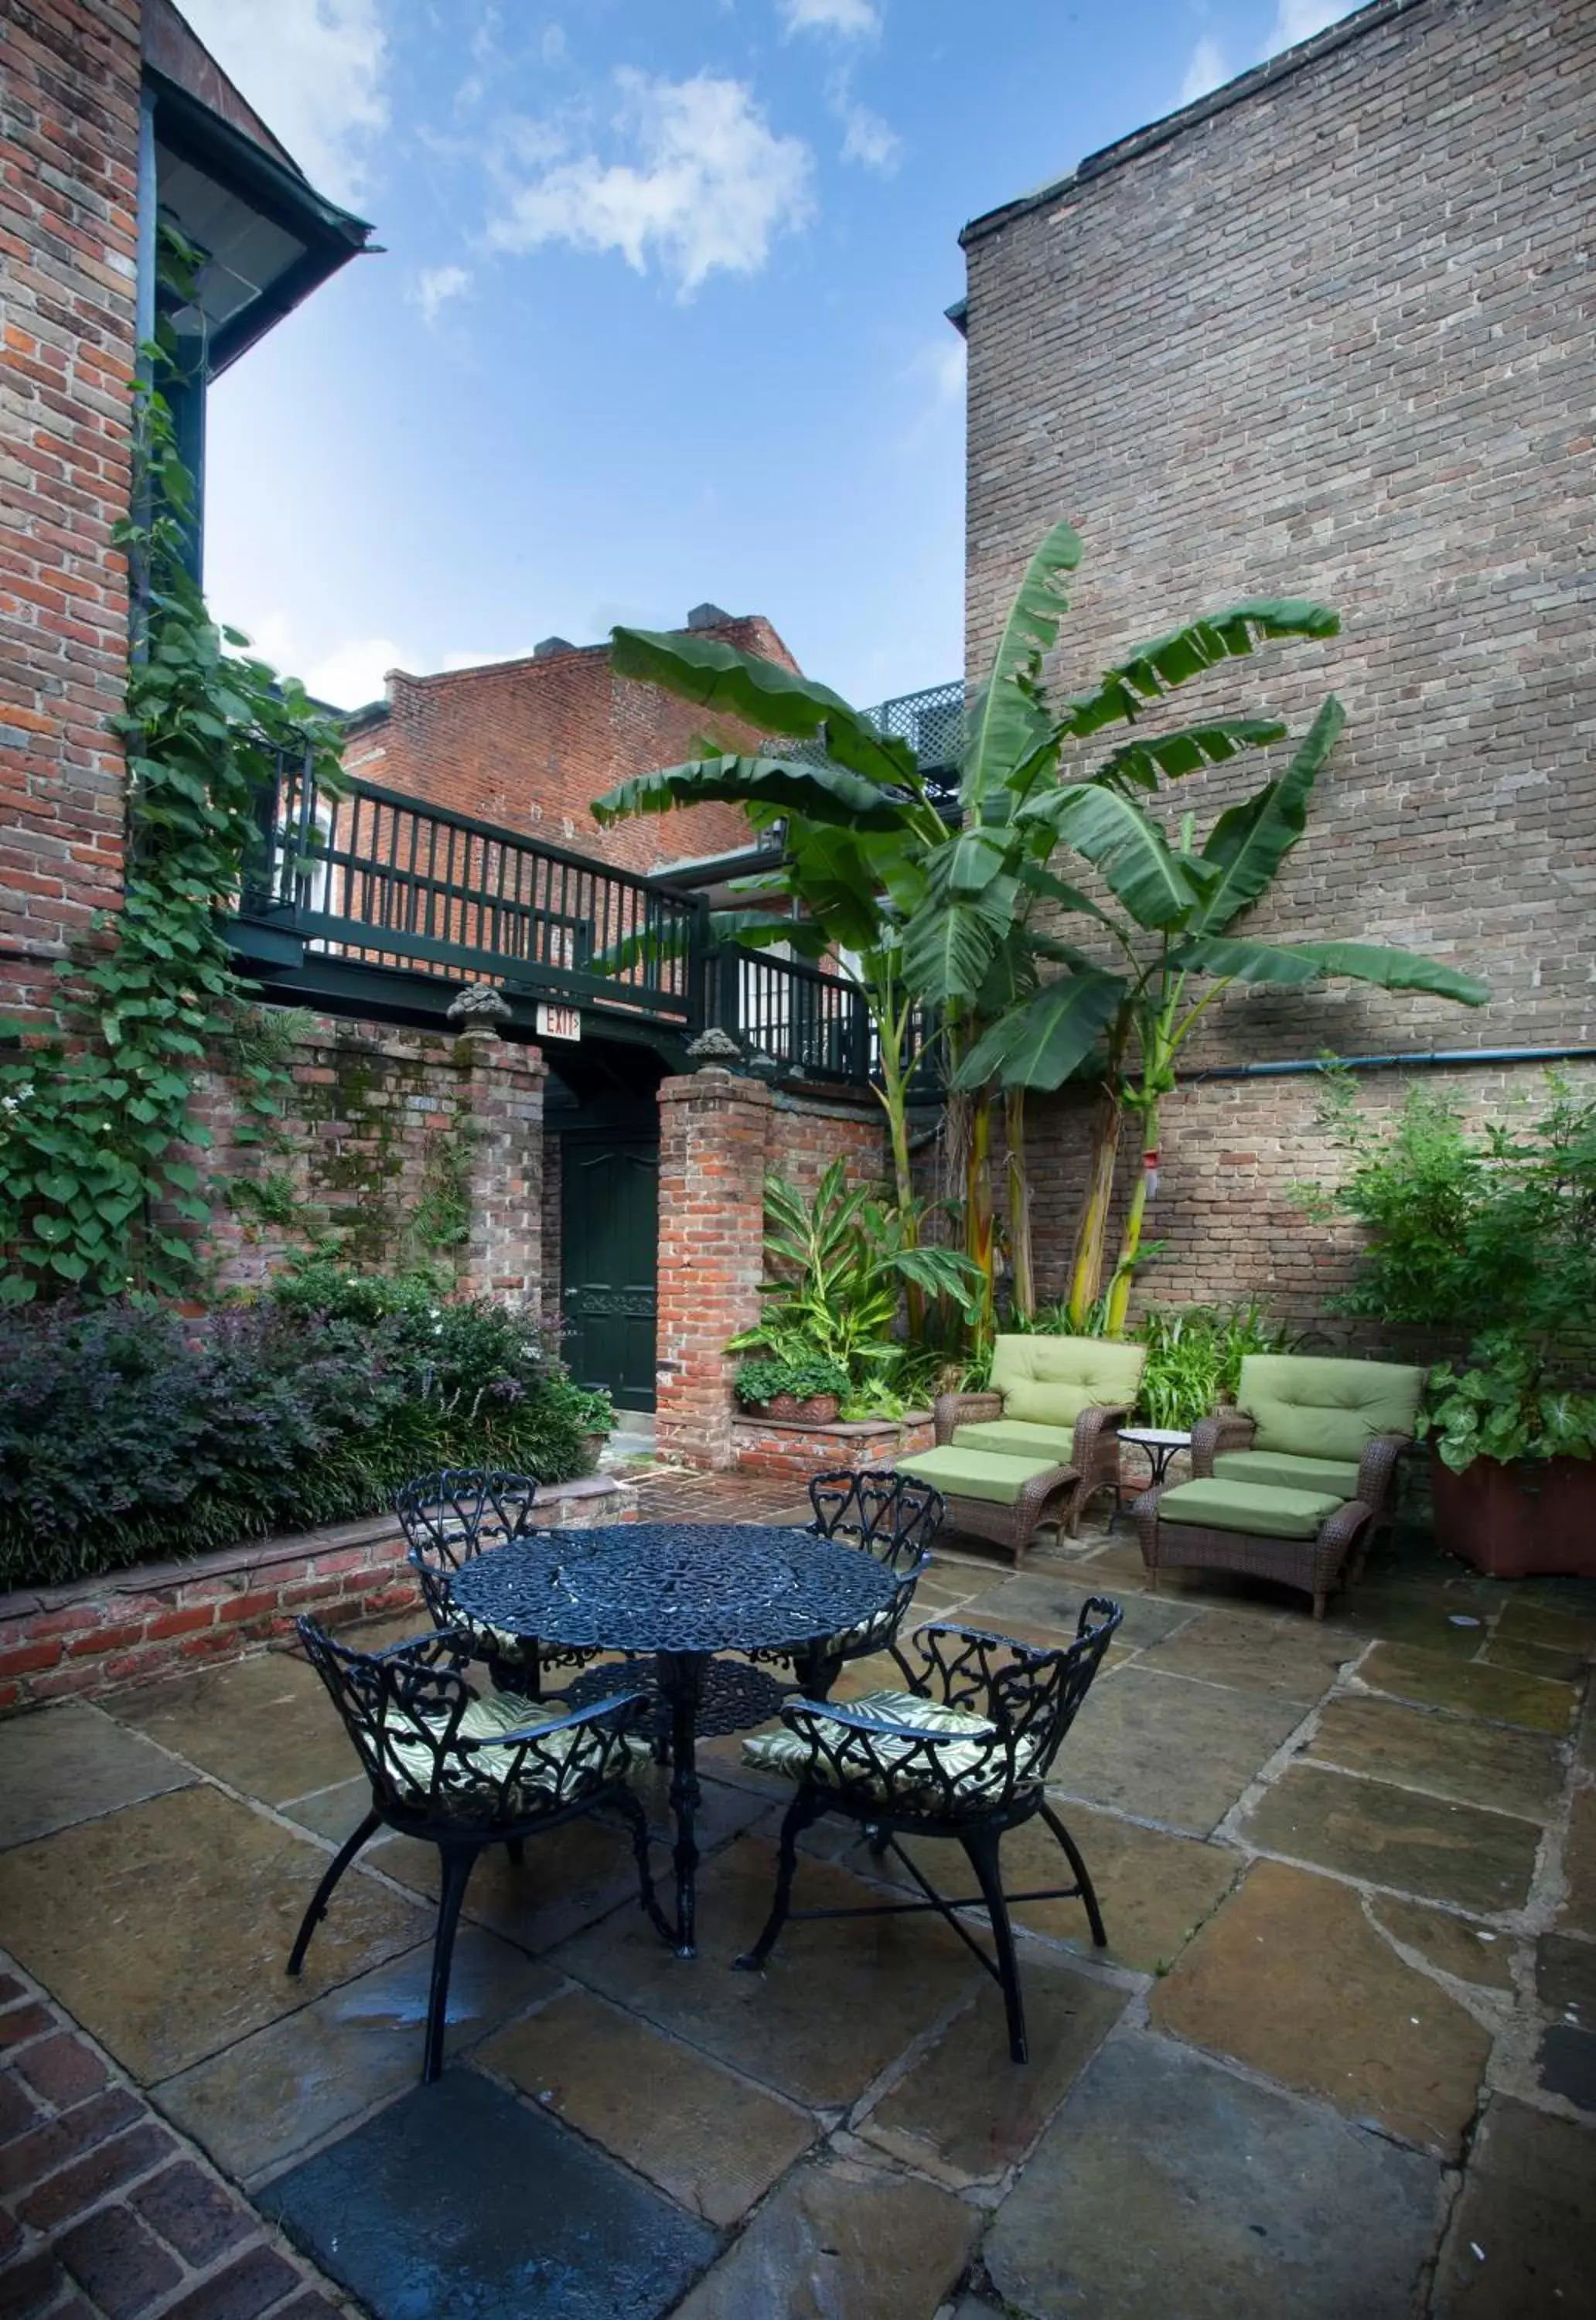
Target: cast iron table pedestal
x=681 y=1591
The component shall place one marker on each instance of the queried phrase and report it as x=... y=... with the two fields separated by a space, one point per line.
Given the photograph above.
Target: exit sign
x=560 y=1022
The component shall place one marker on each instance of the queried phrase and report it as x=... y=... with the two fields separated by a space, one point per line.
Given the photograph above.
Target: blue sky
x=661 y=315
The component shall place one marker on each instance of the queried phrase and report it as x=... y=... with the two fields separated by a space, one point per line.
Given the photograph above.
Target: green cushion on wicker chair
x=1010 y=1437
x=985 y=1474
x=1313 y=1407
x=1261 y=1510
x=1277 y=1469
x=1050 y=1380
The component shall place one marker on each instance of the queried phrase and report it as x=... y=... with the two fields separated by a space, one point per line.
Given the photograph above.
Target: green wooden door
x=610 y=1246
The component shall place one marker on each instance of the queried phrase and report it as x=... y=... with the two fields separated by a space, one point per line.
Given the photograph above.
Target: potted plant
x=792 y=1383
x=1484 y=1240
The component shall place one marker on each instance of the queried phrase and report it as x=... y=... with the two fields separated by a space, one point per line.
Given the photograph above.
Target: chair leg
x=456 y=1868
x=1071 y=1852
x=324 y=1892
x=799 y=1815
x=982 y=1846
x=517 y=1851
x=637 y=1820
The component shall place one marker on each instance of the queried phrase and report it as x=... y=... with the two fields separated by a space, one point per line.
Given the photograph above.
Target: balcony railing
x=377 y=881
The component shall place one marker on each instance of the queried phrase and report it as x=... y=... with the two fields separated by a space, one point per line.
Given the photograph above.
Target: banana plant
x=1167 y=951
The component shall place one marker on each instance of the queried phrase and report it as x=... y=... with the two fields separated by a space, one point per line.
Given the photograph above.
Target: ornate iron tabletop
x=674 y=1587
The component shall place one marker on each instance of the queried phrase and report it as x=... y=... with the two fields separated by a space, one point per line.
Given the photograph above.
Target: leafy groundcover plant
x=130 y=1435
x=806 y=1375
x=1194 y=1352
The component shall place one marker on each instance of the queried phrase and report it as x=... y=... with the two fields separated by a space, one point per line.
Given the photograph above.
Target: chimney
x=707 y=616
x=550 y=645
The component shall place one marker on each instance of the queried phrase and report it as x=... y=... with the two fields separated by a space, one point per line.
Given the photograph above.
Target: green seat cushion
x=989 y=1474
x=471 y=1777
x=914 y=1770
x=1050 y=1380
x=1313 y=1407
x=1012 y=1439
x=1279 y=1467
x=1260 y=1509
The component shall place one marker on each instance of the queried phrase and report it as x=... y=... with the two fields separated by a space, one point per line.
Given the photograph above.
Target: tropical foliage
x=1485 y=1239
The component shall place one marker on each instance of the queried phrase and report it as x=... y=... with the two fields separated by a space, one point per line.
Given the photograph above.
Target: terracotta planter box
x=786 y=1409
x=1511 y=1522
x=798 y=1447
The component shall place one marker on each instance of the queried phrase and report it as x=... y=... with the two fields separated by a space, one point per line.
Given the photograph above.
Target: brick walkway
x=105 y=2210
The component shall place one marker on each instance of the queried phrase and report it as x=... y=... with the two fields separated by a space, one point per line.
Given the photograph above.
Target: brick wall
x=1333 y=337
x=718 y=1135
x=530 y=743
x=381 y=1124
x=69 y=183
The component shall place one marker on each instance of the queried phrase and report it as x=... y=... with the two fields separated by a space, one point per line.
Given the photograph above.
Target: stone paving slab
x=195 y=1902
x=1470 y=1688
x=1519 y=2247
x=1475 y=1764
x=713 y=2142
x=836 y=2002
x=1055 y=1601
x=1578 y=1914
x=966 y=2113
x=70 y=1763
x=1167 y=2185
x=1298 y=1661
x=1167 y=1749
x=842 y=2240
x=1423 y=1845
x=1454 y=1946
x=1292 y=1979
x=264 y=1725
x=257 y=2103
x=1565 y=1978
x=460 y=2199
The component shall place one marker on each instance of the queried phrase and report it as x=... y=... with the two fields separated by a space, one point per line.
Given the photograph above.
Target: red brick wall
x=530 y=743
x=1333 y=338
x=718 y=1135
x=68 y=185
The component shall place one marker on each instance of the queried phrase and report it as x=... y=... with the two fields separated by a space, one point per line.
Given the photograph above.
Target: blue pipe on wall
x=1432 y=1055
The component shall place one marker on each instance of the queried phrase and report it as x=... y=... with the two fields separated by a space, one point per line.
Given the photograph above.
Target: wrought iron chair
x=449 y=1517
x=961 y=1753
x=462 y=1771
x=892 y=1516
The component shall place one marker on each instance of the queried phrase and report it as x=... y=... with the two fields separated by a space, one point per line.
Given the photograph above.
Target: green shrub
x=128 y=1435
x=794 y=1369
x=1195 y=1355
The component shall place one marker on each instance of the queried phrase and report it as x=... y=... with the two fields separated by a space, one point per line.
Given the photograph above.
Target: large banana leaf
x=1043 y=1041
x=1153 y=670
x=822 y=793
x=1249 y=843
x=1138 y=764
x=1006 y=722
x=1159 y=887
x=835 y=874
x=949 y=946
x=771 y=699
x=1240 y=961
x=1037 y=879
x=966 y=865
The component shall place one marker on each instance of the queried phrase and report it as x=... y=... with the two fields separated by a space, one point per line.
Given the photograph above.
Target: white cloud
x=435 y=286
x=855 y=18
x=553 y=47
x=352 y=674
x=712 y=185
x=1205 y=70
x=314 y=70
x=948 y=362
x=867 y=138
x=1299 y=20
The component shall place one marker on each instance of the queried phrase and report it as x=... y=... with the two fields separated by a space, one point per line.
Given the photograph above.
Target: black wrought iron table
x=681 y=1592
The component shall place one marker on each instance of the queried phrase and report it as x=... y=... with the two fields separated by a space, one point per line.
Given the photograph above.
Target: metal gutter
x=1298 y=1066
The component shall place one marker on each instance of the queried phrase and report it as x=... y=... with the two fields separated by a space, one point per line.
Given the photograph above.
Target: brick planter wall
x=126 y=1626
x=761 y=1447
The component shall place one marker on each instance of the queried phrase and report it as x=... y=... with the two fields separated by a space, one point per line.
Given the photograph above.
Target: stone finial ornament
x=480 y=1009
x=713 y=1050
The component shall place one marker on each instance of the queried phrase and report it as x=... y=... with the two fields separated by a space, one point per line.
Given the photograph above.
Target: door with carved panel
x=609 y=1245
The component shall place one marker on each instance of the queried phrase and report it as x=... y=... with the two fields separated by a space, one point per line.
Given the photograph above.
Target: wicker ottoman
x=997 y=1497
x=1302 y=1538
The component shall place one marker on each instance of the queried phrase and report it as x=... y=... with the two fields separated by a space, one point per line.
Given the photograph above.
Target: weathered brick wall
x=388 y=1132
x=530 y=743
x=68 y=185
x=1333 y=337
x=718 y=1135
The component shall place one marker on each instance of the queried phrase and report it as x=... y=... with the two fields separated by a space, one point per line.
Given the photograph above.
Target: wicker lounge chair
x=1042 y=1441
x=1302 y=1538
x=1310 y=1423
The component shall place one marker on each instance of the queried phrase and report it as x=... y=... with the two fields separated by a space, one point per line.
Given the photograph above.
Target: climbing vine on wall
x=96 y=1129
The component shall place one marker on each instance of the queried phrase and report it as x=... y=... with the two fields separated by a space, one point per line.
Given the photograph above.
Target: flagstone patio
x=1340 y=2055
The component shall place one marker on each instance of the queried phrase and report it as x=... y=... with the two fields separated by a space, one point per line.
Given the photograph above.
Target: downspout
x=1299 y=1064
